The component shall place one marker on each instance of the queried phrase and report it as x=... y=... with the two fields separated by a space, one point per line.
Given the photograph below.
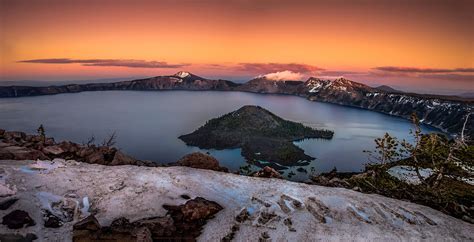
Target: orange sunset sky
x=423 y=46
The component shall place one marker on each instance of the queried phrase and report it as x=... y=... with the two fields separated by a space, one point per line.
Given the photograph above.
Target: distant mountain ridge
x=444 y=112
x=466 y=95
x=388 y=89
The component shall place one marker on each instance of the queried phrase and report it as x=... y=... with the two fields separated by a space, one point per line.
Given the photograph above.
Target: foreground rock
x=17 y=220
x=183 y=222
x=262 y=135
x=268 y=172
x=253 y=208
x=15 y=145
x=201 y=161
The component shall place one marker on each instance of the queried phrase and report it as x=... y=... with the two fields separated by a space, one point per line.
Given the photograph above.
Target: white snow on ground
x=317 y=213
x=6 y=189
x=47 y=165
x=408 y=174
x=467 y=180
x=85 y=206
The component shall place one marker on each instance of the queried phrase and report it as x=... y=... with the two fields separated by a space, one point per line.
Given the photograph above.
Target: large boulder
x=89 y=223
x=20 y=153
x=69 y=146
x=201 y=161
x=199 y=209
x=54 y=150
x=14 y=135
x=96 y=157
x=122 y=159
x=85 y=151
x=268 y=172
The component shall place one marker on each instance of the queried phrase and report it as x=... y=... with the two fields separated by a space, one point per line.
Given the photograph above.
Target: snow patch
x=85 y=206
x=408 y=174
x=148 y=188
x=182 y=74
x=47 y=165
x=314 y=89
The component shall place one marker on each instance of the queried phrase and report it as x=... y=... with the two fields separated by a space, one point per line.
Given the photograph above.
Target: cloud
x=276 y=67
x=450 y=77
x=422 y=70
x=341 y=73
x=283 y=76
x=455 y=74
x=131 y=63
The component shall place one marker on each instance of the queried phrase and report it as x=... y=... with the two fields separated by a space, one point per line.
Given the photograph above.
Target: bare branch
x=90 y=141
x=110 y=141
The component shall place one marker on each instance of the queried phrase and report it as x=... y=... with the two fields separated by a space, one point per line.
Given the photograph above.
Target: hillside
x=264 y=85
x=390 y=89
x=444 y=112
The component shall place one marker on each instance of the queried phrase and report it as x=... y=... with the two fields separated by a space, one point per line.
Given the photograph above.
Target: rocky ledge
x=15 y=145
x=262 y=135
x=66 y=200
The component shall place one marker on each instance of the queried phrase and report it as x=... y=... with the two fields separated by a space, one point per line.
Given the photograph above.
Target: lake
x=147 y=123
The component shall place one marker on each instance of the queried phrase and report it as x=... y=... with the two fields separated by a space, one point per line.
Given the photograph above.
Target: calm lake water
x=148 y=123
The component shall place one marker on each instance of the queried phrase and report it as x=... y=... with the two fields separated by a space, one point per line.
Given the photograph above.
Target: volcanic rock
x=201 y=161
x=53 y=150
x=268 y=172
x=17 y=220
x=4 y=205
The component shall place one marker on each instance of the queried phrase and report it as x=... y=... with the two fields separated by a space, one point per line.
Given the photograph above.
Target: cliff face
x=445 y=112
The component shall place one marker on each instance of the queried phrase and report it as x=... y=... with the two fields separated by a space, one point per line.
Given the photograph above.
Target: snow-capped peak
x=339 y=84
x=182 y=74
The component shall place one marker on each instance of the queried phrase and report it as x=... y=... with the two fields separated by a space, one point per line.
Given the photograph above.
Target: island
x=262 y=135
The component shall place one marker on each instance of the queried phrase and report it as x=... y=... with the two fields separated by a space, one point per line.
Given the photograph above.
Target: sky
x=417 y=45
